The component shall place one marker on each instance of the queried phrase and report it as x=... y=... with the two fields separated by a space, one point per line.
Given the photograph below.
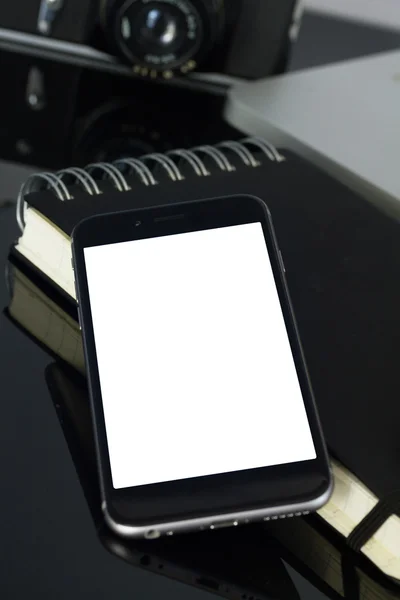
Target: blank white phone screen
x=196 y=371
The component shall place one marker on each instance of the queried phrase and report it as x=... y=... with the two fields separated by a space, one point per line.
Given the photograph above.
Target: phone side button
x=281 y=261
x=78 y=307
x=79 y=317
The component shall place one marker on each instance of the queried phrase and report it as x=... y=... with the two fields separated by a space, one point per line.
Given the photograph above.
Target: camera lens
x=162 y=35
x=160 y=31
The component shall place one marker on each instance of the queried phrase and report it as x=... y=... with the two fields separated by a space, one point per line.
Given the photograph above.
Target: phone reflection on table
x=240 y=564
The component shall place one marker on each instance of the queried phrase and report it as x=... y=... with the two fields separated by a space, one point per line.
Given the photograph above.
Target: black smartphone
x=202 y=407
x=233 y=563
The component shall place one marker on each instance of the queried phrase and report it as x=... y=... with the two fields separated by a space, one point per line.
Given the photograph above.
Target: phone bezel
x=186 y=504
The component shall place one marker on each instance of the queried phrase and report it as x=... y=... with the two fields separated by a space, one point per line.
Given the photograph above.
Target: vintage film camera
x=161 y=38
x=86 y=80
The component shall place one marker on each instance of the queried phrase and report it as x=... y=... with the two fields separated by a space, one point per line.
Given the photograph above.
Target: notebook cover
x=342 y=260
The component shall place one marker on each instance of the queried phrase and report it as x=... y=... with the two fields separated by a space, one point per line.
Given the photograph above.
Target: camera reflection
x=59 y=114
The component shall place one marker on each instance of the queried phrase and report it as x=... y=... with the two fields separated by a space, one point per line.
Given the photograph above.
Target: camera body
x=165 y=38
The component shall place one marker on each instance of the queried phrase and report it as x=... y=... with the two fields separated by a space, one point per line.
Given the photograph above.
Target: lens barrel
x=162 y=37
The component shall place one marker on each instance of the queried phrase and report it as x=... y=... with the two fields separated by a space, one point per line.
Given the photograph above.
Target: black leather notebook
x=342 y=259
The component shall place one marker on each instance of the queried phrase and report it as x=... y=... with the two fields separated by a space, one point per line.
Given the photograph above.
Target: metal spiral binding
x=167 y=163
x=171 y=163
x=240 y=150
x=109 y=170
x=82 y=177
x=194 y=161
x=36 y=182
x=218 y=157
x=268 y=149
x=135 y=165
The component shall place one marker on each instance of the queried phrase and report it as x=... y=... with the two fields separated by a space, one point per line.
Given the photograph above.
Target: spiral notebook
x=51 y=204
x=342 y=259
